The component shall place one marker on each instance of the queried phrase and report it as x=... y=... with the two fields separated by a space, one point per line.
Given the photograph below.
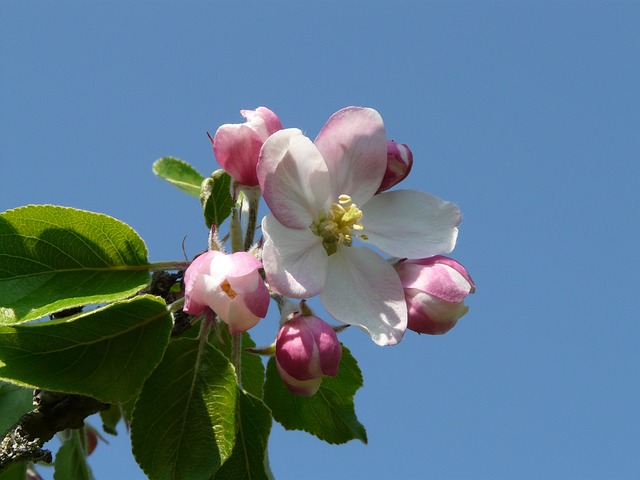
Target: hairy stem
x=236 y=355
x=250 y=204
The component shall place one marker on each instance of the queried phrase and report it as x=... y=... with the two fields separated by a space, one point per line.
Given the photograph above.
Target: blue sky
x=523 y=113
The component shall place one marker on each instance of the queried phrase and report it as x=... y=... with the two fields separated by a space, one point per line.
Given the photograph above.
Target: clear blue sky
x=526 y=114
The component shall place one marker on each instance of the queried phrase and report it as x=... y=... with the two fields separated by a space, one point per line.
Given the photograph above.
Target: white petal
x=362 y=289
x=239 y=317
x=216 y=298
x=294 y=259
x=411 y=224
x=293 y=178
x=354 y=145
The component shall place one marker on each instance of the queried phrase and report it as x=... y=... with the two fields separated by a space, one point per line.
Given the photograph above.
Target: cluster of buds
x=323 y=196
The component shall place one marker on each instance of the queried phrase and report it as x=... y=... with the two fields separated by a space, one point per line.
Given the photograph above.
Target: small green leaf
x=179 y=174
x=71 y=461
x=105 y=353
x=54 y=258
x=110 y=419
x=250 y=364
x=184 y=422
x=249 y=457
x=329 y=414
x=215 y=197
x=14 y=402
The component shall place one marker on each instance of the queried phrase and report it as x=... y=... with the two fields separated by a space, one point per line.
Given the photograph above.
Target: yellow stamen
x=337 y=225
x=226 y=288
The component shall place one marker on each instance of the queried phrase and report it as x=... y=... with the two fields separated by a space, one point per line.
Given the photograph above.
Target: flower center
x=339 y=224
x=226 y=288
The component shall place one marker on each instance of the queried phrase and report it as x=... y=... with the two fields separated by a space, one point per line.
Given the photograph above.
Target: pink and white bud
x=230 y=285
x=237 y=146
x=434 y=289
x=307 y=348
x=399 y=163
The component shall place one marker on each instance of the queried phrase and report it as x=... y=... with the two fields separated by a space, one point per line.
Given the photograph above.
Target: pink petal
x=239 y=317
x=412 y=224
x=329 y=348
x=297 y=352
x=439 y=276
x=214 y=296
x=243 y=263
x=293 y=178
x=253 y=291
x=399 y=164
x=263 y=121
x=428 y=314
x=294 y=260
x=305 y=388
x=354 y=146
x=220 y=266
x=236 y=147
x=190 y=280
x=363 y=289
x=194 y=286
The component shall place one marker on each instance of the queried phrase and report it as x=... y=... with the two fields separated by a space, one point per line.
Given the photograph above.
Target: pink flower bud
x=237 y=146
x=91 y=439
x=307 y=348
x=434 y=289
x=230 y=285
x=399 y=163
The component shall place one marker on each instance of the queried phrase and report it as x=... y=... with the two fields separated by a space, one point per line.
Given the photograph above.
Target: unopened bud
x=399 y=163
x=307 y=348
x=237 y=146
x=434 y=289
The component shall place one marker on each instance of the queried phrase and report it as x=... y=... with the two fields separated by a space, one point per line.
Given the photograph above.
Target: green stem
x=176 y=306
x=236 y=231
x=205 y=328
x=285 y=306
x=236 y=355
x=250 y=204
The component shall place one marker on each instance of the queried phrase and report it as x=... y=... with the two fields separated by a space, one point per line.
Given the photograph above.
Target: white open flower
x=322 y=198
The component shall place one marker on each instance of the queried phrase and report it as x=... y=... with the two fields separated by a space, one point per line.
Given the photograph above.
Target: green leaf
x=179 y=174
x=54 y=258
x=105 y=353
x=14 y=402
x=249 y=457
x=126 y=408
x=215 y=197
x=251 y=365
x=71 y=461
x=16 y=471
x=329 y=414
x=184 y=422
x=110 y=419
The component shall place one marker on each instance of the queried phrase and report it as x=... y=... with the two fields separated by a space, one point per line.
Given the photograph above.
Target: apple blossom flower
x=230 y=285
x=435 y=289
x=322 y=198
x=307 y=348
x=237 y=146
x=399 y=163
